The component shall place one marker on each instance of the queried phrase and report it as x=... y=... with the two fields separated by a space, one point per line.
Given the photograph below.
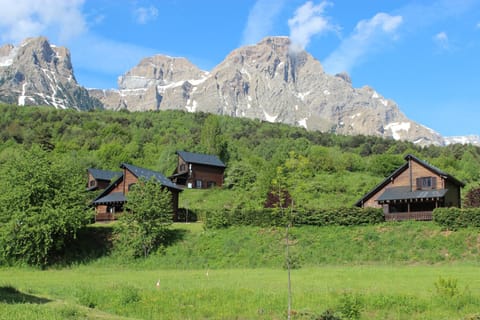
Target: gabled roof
x=107 y=175
x=200 y=158
x=106 y=197
x=148 y=174
x=400 y=170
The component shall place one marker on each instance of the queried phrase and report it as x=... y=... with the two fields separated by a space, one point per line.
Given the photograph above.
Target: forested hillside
x=324 y=170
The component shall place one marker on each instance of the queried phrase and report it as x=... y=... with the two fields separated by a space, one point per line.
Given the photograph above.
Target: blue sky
x=422 y=54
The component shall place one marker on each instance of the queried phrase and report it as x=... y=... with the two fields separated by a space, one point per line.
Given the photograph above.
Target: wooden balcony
x=400 y=216
x=104 y=216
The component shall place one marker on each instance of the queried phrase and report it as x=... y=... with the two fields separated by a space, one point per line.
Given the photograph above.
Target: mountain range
x=268 y=81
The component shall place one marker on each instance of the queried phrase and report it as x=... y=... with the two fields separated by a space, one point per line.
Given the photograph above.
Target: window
x=198 y=184
x=92 y=183
x=426 y=183
x=182 y=167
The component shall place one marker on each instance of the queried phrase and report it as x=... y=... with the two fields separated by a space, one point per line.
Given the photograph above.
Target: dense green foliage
x=455 y=218
x=43 y=205
x=150 y=213
x=321 y=172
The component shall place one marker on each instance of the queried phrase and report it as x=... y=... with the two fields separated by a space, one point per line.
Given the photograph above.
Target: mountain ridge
x=267 y=81
x=270 y=82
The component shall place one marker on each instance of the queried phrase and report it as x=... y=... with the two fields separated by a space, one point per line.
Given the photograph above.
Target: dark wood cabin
x=199 y=171
x=413 y=191
x=100 y=179
x=109 y=204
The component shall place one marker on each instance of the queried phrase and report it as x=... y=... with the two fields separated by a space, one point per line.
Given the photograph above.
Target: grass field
x=353 y=289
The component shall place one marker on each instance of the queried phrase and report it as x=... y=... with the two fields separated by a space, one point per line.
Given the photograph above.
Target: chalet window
x=426 y=183
x=182 y=167
x=92 y=183
x=198 y=184
x=211 y=184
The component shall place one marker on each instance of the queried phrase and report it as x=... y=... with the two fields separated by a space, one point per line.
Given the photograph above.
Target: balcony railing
x=400 y=216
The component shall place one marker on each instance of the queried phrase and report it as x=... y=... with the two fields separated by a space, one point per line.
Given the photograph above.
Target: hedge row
x=455 y=218
x=275 y=217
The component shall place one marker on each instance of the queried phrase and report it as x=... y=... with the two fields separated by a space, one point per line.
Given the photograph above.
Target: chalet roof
x=105 y=195
x=108 y=189
x=401 y=193
x=400 y=170
x=148 y=174
x=106 y=175
x=200 y=158
x=114 y=197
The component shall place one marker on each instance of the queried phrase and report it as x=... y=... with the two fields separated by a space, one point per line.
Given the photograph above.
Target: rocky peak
x=37 y=73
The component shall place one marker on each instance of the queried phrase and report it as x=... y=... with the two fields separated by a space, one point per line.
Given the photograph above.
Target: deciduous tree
x=149 y=213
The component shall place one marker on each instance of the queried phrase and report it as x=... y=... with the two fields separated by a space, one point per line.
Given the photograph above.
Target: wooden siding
x=206 y=174
x=128 y=179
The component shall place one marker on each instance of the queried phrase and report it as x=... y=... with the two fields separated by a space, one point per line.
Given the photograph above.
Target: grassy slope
x=387 y=271
x=254 y=247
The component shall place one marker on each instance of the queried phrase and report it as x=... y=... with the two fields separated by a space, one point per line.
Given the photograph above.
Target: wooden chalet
x=111 y=201
x=199 y=171
x=100 y=179
x=413 y=191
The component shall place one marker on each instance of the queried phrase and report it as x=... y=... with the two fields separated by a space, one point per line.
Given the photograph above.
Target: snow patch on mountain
x=397 y=127
x=268 y=117
x=470 y=139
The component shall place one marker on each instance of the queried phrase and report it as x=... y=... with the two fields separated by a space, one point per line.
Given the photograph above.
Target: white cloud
x=368 y=36
x=260 y=20
x=144 y=15
x=441 y=39
x=308 y=21
x=27 y=18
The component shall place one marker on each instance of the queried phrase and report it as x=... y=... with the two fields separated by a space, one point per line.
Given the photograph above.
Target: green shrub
x=128 y=294
x=328 y=314
x=455 y=218
x=350 y=306
x=347 y=216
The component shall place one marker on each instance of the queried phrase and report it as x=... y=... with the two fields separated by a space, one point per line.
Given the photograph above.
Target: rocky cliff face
x=267 y=81
x=37 y=73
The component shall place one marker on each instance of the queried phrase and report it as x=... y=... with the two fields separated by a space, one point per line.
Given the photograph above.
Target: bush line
x=456 y=218
x=351 y=216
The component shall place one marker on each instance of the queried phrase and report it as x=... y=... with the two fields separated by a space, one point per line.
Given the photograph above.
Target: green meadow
x=389 y=271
